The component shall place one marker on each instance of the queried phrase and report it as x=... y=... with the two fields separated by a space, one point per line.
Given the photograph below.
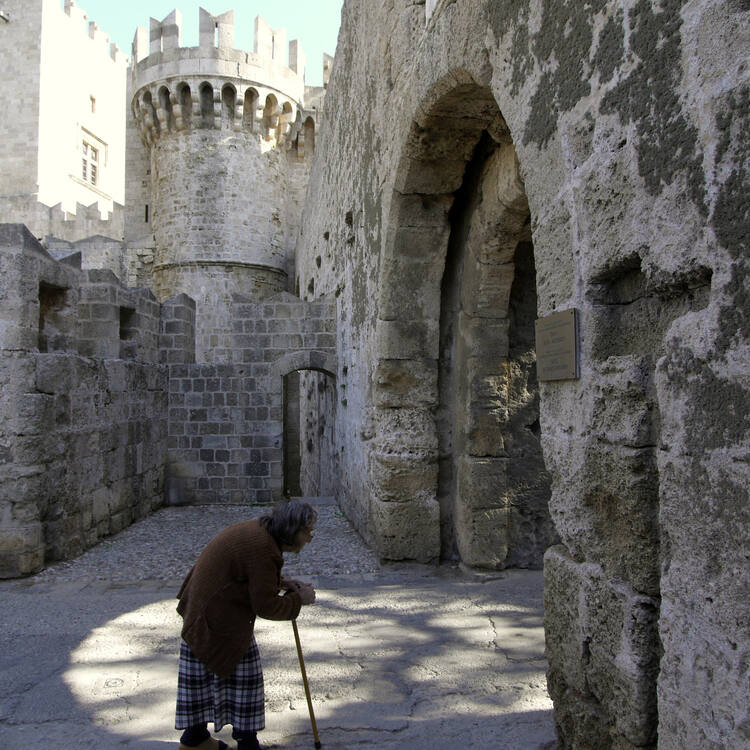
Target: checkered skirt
x=202 y=696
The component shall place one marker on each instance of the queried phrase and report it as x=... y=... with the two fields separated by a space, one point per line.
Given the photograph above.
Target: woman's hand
x=306 y=593
x=291 y=584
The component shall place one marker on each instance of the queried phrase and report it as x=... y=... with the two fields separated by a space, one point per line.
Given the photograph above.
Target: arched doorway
x=308 y=405
x=458 y=456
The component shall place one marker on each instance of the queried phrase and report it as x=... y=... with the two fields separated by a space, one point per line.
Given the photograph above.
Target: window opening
x=90 y=163
x=54 y=320
x=128 y=333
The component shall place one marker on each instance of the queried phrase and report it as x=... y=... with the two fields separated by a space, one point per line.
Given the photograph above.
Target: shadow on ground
x=399 y=660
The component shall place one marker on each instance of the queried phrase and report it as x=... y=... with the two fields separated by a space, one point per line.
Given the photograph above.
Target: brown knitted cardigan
x=236 y=578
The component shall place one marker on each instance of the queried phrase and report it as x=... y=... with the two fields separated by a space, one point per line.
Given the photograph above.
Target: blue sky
x=315 y=23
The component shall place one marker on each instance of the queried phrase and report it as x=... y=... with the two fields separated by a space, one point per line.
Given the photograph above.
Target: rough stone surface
x=84 y=405
x=625 y=122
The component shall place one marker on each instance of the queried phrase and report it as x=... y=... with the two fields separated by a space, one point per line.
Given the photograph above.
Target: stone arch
x=165 y=106
x=309 y=359
x=207 y=104
x=185 y=102
x=228 y=105
x=150 y=117
x=249 y=109
x=286 y=120
x=270 y=122
x=457 y=221
x=309 y=131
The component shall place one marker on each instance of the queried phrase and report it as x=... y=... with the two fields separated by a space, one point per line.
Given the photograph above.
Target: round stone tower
x=219 y=183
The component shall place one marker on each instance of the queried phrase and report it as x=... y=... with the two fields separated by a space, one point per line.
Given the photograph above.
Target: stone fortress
x=360 y=321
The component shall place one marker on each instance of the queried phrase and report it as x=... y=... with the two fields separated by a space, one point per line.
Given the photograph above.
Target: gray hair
x=287 y=519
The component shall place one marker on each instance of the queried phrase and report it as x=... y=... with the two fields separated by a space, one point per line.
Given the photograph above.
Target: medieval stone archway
x=458 y=463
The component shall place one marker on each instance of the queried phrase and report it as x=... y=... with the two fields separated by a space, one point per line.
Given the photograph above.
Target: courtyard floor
x=397 y=656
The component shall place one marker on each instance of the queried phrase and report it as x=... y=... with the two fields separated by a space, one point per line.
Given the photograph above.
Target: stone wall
x=84 y=405
x=607 y=135
x=106 y=414
x=226 y=421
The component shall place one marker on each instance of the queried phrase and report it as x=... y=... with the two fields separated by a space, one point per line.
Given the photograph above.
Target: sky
x=315 y=23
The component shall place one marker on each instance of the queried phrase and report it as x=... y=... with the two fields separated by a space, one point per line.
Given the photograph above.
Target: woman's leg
x=246 y=740
x=193 y=736
x=239 y=698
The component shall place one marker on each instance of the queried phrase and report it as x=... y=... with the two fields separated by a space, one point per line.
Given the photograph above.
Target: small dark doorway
x=309 y=456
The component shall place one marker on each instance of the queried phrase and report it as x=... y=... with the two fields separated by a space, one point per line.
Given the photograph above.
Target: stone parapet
x=83 y=404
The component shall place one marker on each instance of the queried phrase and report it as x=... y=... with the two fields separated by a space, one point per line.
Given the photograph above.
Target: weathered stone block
x=402 y=478
x=482 y=536
x=404 y=382
x=485 y=431
x=407 y=531
x=603 y=651
x=482 y=482
x=422 y=243
x=406 y=431
x=407 y=339
x=486 y=289
x=21 y=549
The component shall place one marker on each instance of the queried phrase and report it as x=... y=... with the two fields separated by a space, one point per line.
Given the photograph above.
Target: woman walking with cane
x=236 y=579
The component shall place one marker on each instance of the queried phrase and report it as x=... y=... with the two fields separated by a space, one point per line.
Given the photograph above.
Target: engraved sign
x=557 y=346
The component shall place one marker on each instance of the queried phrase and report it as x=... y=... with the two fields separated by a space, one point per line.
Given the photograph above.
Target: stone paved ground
x=165 y=545
x=398 y=656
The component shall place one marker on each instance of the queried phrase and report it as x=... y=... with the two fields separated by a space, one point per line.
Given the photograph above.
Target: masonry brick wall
x=226 y=421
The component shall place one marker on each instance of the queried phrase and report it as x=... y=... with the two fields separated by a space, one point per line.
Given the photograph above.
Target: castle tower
x=217 y=167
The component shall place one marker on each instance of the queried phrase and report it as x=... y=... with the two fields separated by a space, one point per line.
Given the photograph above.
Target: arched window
x=271 y=118
x=149 y=114
x=249 y=108
x=165 y=104
x=228 y=99
x=285 y=121
x=309 y=136
x=185 y=98
x=207 y=105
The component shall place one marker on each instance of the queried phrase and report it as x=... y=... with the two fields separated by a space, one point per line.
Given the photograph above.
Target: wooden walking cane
x=307 y=687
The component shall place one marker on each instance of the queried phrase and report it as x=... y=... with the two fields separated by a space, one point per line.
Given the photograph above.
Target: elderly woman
x=236 y=579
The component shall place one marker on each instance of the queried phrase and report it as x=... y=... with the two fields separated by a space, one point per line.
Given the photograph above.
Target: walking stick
x=307 y=687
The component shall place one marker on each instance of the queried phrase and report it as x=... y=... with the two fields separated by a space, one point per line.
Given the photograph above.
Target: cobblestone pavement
x=164 y=546
x=401 y=656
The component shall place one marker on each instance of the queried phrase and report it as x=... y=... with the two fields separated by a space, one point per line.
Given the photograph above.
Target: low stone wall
x=83 y=400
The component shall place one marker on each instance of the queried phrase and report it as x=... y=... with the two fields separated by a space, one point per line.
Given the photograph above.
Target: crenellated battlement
x=216 y=41
x=170 y=107
x=91 y=29
x=178 y=89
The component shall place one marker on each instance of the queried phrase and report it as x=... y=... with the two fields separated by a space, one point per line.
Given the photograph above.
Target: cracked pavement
x=402 y=656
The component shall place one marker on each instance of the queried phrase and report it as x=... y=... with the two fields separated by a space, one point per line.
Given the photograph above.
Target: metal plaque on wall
x=557 y=346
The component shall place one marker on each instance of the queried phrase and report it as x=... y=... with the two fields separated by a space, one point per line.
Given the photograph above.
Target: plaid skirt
x=202 y=696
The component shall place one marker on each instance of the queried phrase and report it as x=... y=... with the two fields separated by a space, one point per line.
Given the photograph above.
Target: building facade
x=63 y=150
